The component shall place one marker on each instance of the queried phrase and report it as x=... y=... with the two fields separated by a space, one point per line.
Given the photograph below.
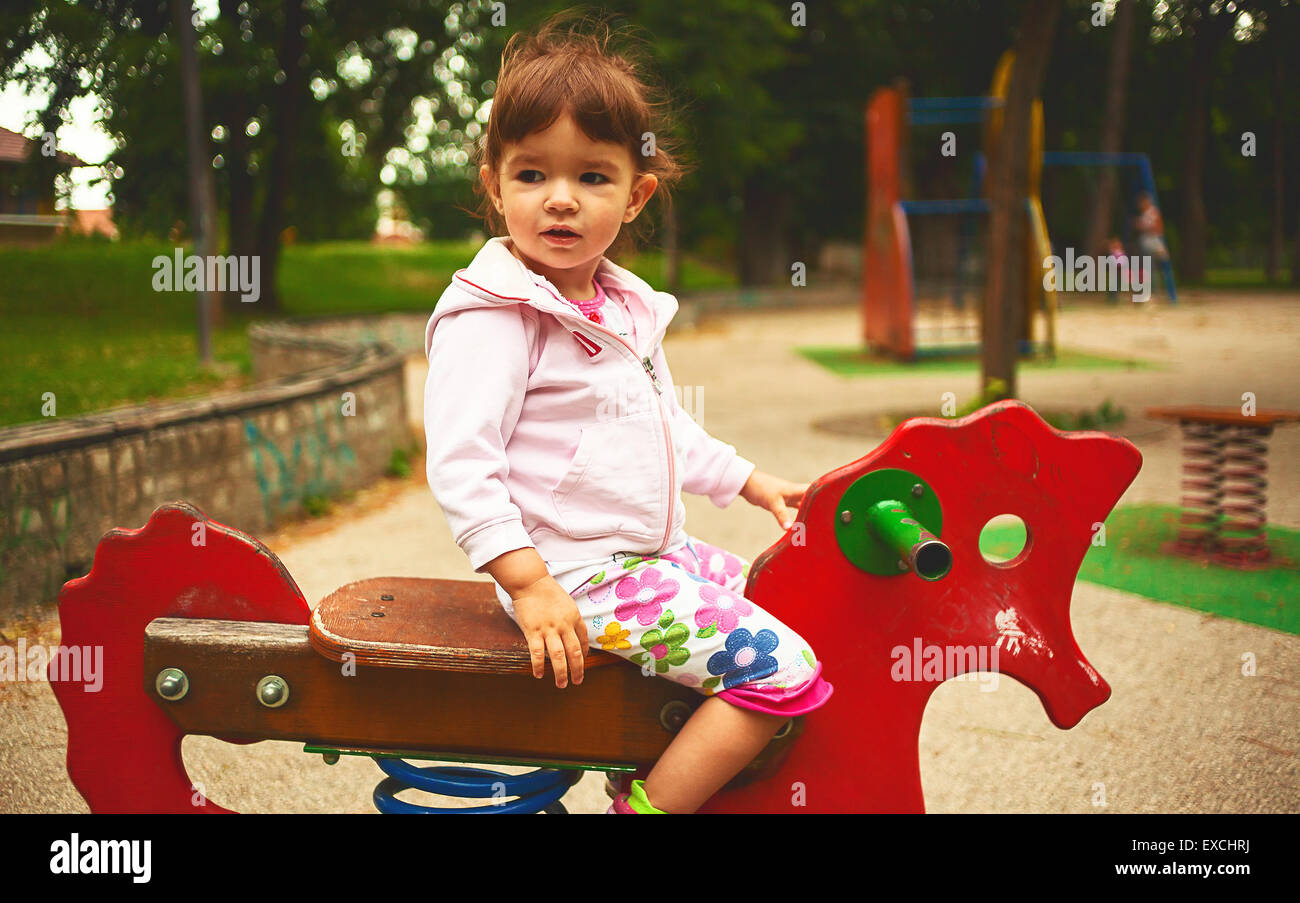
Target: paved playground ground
x=1184 y=730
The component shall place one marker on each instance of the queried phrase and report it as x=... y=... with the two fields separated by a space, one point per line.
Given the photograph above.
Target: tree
x=724 y=66
x=1008 y=176
x=1210 y=25
x=200 y=170
x=1282 y=33
x=1112 y=126
x=273 y=64
x=289 y=99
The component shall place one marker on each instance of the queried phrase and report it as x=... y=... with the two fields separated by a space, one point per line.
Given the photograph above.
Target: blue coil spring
x=536 y=791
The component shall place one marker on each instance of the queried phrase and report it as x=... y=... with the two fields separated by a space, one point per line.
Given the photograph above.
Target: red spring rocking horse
x=203 y=631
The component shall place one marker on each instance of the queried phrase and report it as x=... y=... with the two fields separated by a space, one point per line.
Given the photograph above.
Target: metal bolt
x=272 y=691
x=918 y=490
x=846 y=516
x=376 y=614
x=172 y=684
x=330 y=758
x=386 y=597
x=673 y=715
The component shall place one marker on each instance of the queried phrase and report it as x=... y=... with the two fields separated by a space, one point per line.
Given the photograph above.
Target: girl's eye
x=524 y=176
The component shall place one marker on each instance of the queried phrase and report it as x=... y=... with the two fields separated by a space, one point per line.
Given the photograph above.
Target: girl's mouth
x=561 y=236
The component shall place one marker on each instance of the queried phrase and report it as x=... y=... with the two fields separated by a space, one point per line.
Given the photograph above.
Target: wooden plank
x=1230 y=416
x=443 y=625
x=613 y=716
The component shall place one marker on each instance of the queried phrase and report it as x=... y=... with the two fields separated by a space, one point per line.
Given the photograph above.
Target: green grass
x=358 y=277
x=82 y=321
x=855 y=361
x=1238 y=278
x=1132 y=561
x=696 y=275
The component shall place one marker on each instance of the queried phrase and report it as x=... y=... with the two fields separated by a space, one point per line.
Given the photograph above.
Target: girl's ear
x=490 y=183
x=643 y=188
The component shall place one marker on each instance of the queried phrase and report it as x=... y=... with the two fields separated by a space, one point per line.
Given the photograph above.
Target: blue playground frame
x=957 y=110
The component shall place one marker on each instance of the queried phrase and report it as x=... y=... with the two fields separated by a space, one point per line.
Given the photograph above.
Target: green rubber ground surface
x=1132 y=561
x=854 y=361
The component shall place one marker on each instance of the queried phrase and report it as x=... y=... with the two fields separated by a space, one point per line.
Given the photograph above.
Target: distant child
x=1151 y=240
x=1115 y=252
x=557 y=448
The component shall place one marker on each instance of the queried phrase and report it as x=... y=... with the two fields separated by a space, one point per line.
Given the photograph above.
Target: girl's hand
x=552 y=624
x=773 y=493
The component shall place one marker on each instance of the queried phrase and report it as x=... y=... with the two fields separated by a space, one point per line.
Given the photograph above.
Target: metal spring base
x=1210 y=486
x=536 y=791
x=1202 y=500
x=1248 y=451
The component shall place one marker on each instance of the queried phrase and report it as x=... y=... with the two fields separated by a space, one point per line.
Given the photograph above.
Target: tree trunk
x=1295 y=253
x=200 y=169
x=1112 y=127
x=1008 y=222
x=1208 y=31
x=764 y=256
x=1276 y=239
x=240 y=237
x=672 y=254
x=284 y=119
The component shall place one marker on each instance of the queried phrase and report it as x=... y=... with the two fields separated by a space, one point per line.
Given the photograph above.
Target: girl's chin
x=550 y=252
x=556 y=254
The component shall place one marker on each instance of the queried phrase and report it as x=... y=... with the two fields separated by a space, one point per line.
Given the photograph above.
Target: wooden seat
x=437 y=625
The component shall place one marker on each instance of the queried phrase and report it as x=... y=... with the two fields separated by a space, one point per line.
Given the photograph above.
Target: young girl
x=1150 y=227
x=556 y=446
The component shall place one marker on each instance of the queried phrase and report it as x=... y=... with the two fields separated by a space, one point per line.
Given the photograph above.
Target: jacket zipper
x=659 y=391
x=649 y=369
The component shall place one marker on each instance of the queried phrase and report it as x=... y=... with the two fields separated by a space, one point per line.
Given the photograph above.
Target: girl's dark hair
x=575 y=63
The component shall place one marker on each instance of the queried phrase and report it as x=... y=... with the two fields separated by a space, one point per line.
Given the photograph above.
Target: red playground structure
x=204 y=632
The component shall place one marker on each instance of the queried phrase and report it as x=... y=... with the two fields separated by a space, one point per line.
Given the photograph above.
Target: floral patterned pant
x=682 y=616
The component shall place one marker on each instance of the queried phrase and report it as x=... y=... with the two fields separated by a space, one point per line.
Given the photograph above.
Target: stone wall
x=325 y=417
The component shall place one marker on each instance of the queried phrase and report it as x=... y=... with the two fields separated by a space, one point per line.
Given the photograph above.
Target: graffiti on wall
x=314 y=466
x=37 y=527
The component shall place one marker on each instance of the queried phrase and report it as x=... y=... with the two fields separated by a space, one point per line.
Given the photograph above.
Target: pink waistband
x=789 y=701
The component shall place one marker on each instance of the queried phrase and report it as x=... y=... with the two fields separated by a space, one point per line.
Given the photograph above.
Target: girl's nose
x=561 y=197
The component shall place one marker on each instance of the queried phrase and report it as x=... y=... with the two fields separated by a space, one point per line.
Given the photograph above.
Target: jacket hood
x=496 y=276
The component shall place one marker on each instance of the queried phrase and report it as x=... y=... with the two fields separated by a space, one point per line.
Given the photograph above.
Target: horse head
x=884 y=577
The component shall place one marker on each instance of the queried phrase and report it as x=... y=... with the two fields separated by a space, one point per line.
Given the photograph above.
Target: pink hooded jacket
x=546 y=429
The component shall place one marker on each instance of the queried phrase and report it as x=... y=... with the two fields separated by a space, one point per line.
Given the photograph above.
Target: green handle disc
x=888 y=522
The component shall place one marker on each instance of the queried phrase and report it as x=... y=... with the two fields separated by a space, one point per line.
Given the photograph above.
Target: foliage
x=399 y=463
x=994 y=390
x=1105 y=416
x=769 y=107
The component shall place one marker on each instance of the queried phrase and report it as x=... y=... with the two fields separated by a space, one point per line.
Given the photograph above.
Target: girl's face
x=560 y=177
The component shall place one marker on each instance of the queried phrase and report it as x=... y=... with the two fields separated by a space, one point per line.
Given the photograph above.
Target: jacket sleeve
x=470 y=411
x=712 y=467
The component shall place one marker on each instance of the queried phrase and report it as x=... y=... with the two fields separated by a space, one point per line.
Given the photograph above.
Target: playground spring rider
x=204 y=632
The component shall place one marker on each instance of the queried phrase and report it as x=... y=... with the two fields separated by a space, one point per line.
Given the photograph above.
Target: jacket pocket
x=615 y=482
